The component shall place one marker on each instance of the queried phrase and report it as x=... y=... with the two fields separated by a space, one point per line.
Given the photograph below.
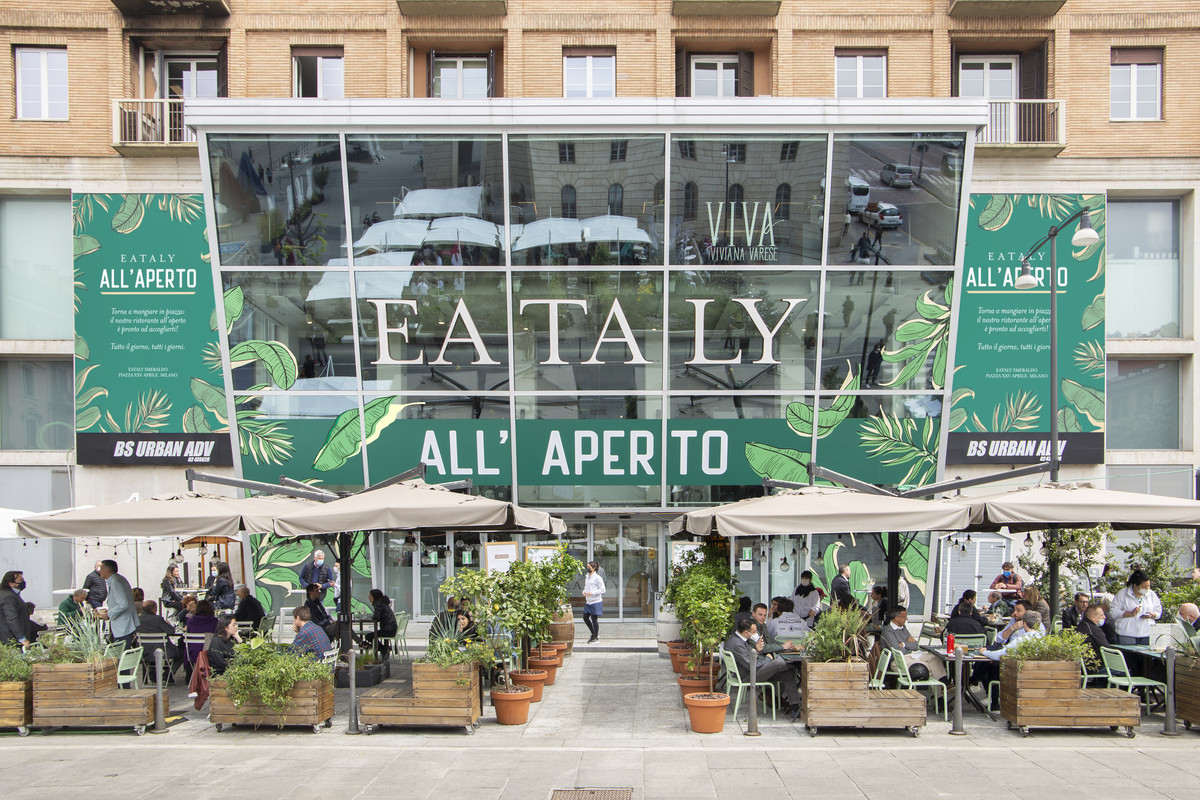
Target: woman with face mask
x=1134 y=610
x=806 y=602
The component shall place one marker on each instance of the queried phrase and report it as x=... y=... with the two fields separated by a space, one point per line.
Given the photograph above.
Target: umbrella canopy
x=466 y=200
x=613 y=228
x=1078 y=505
x=8 y=518
x=463 y=230
x=820 y=509
x=180 y=515
x=412 y=505
x=547 y=232
x=392 y=234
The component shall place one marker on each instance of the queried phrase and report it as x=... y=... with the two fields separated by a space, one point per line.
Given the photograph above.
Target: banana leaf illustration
x=929 y=333
x=1089 y=357
x=778 y=463
x=361 y=563
x=996 y=214
x=958 y=416
x=206 y=256
x=86 y=417
x=1068 y=422
x=130 y=215
x=286 y=552
x=211 y=398
x=83 y=209
x=345 y=437
x=914 y=563
x=234 y=301
x=1093 y=315
x=212 y=357
x=267 y=441
x=81 y=348
x=1019 y=412
x=278 y=576
x=895 y=442
x=1052 y=206
x=800 y=416
x=195 y=421
x=152 y=411
x=77 y=286
x=85 y=245
x=182 y=207
x=275 y=356
x=1087 y=401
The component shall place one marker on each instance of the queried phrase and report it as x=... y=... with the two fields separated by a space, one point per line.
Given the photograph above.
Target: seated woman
x=966 y=606
x=807 y=600
x=203 y=621
x=385 y=620
x=220 y=649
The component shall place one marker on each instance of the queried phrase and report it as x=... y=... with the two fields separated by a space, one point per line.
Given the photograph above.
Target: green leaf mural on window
x=897 y=441
x=345 y=438
x=130 y=215
x=930 y=333
x=278 y=360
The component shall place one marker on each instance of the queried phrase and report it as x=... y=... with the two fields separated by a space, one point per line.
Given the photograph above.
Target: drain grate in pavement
x=592 y=794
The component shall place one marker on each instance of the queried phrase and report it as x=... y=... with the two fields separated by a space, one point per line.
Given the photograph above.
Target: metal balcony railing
x=150 y=122
x=1017 y=122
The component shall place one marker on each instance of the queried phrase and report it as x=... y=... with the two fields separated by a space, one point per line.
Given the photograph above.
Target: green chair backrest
x=114 y=650
x=971 y=639
x=732 y=676
x=1114 y=662
x=899 y=668
x=130 y=660
x=881 y=669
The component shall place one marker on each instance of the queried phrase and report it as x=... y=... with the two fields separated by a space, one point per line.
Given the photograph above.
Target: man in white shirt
x=1028 y=627
x=896 y=636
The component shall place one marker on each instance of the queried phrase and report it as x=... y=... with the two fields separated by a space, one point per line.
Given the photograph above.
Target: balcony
x=453 y=8
x=153 y=8
x=151 y=128
x=725 y=8
x=970 y=9
x=1032 y=126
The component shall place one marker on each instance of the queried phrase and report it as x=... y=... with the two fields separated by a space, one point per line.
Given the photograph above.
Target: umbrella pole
x=343 y=608
x=1052 y=578
x=893 y=570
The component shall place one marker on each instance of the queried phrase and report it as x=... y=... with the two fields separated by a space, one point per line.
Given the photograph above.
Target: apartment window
x=459 y=76
x=735 y=153
x=566 y=152
x=783 y=201
x=714 y=76
x=1141 y=241
x=1135 y=84
x=589 y=73
x=691 y=196
x=36 y=264
x=616 y=151
x=317 y=73
x=41 y=82
x=1143 y=404
x=687 y=149
x=190 y=77
x=788 y=150
x=38 y=414
x=616 y=199
x=861 y=74
x=568 y=202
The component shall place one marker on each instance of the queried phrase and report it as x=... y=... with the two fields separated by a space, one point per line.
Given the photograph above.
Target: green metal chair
x=1085 y=676
x=930 y=633
x=881 y=669
x=733 y=680
x=1114 y=662
x=114 y=650
x=971 y=640
x=129 y=668
x=400 y=645
x=899 y=668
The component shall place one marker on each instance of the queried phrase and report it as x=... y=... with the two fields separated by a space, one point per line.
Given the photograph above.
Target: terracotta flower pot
x=703 y=670
x=550 y=665
x=706 y=712
x=560 y=648
x=533 y=678
x=690 y=684
x=512 y=708
x=547 y=650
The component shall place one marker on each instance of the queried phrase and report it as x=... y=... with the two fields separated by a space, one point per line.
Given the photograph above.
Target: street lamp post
x=1084 y=235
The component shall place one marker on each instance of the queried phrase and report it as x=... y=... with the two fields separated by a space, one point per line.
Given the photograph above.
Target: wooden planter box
x=436 y=698
x=311 y=704
x=86 y=695
x=1187 y=690
x=1046 y=694
x=836 y=695
x=16 y=705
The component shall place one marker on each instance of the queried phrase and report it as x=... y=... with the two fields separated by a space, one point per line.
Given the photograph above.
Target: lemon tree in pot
x=705 y=607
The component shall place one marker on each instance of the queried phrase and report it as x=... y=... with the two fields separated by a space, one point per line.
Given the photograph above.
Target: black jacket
x=319 y=614
x=1071 y=617
x=220 y=653
x=965 y=625
x=250 y=610
x=1095 y=636
x=14 y=616
x=170 y=595
x=840 y=589
x=384 y=616
x=97 y=589
x=221 y=594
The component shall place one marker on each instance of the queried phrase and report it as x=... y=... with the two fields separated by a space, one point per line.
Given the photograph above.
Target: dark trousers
x=780 y=673
x=592 y=622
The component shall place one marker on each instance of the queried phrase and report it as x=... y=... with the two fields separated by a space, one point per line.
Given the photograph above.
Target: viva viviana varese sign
x=147 y=354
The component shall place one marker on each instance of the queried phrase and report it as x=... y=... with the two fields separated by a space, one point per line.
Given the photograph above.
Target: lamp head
x=1085 y=234
x=1026 y=280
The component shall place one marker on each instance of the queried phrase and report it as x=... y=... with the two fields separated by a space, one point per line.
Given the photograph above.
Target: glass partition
x=279 y=199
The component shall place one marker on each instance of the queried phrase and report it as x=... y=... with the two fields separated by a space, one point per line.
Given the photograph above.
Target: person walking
x=94 y=584
x=121 y=613
x=593 y=598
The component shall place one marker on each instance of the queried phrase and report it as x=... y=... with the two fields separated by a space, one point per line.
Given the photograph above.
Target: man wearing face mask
x=14 y=614
x=745 y=643
x=1091 y=625
x=317 y=572
x=1009 y=583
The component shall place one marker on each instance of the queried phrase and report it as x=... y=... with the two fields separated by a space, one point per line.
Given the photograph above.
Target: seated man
x=248 y=608
x=1009 y=583
x=964 y=620
x=1029 y=626
x=35 y=627
x=1092 y=626
x=1074 y=613
x=896 y=636
x=310 y=638
x=150 y=622
x=1019 y=611
x=745 y=643
x=997 y=606
x=788 y=624
x=1189 y=614
x=771 y=645
x=317 y=612
x=72 y=606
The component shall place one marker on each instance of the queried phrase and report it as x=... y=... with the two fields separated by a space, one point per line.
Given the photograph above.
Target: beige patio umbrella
x=821 y=509
x=1078 y=505
x=177 y=515
x=412 y=505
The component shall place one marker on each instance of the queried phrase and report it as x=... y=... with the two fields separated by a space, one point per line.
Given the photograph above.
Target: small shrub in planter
x=269 y=684
x=16 y=689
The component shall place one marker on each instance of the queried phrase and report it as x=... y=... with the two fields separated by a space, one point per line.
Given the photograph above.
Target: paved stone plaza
x=613 y=719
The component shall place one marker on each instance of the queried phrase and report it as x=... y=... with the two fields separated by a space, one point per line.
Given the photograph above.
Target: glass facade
x=1143 y=404
x=35 y=268
x=1144 y=287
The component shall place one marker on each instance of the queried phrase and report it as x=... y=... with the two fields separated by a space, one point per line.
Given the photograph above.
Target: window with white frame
x=1135 y=83
x=317 y=73
x=41 y=77
x=714 y=76
x=460 y=77
x=861 y=74
x=589 y=74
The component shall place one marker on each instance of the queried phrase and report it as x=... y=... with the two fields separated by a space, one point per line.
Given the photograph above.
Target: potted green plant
x=1040 y=686
x=16 y=689
x=267 y=684
x=368 y=671
x=705 y=607
x=834 y=680
x=559 y=570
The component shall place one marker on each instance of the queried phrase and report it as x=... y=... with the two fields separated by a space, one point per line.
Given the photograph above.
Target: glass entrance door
x=188 y=78
x=995 y=80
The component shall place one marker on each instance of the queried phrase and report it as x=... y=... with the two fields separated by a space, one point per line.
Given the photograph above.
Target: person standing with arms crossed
x=593 y=598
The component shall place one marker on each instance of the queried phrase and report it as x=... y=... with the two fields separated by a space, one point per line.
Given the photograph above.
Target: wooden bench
x=836 y=695
x=434 y=698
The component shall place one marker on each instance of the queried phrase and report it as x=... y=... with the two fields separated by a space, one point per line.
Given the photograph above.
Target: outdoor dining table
x=965 y=658
x=1167 y=656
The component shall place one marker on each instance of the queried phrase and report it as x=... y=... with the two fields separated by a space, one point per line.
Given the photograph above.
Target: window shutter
x=745 y=74
x=1137 y=55
x=1032 y=81
x=222 y=71
x=429 y=73
x=682 y=89
x=491 y=74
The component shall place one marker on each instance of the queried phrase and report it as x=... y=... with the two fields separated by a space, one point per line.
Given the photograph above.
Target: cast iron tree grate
x=592 y=794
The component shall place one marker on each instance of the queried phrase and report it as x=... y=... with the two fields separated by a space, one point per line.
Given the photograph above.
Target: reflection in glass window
x=566 y=153
x=788 y=151
x=928 y=210
x=432 y=330
x=36 y=268
x=783 y=201
x=1142 y=399
x=614 y=219
x=617 y=151
x=702 y=190
x=568 y=202
x=426 y=200
x=687 y=148
x=1142 y=250
x=304 y=318
x=37 y=405
x=279 y=199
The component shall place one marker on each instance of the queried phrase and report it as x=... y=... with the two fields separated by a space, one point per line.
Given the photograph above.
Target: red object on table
x=950 y=643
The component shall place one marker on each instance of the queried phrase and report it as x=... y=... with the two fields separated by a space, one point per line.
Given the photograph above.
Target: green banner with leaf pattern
x=1000 y=410
x=143 y=302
